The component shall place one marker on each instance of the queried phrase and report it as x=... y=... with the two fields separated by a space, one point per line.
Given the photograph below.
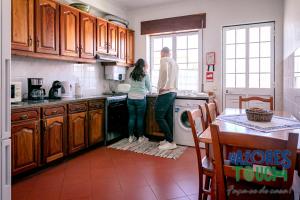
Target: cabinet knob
x=23 y=117
x=54 y=112
x=37 y=43
x=30 y=41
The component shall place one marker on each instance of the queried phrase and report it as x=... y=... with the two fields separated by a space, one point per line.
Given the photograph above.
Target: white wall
x=291 y=43
x=219 y=13
x=23 y=68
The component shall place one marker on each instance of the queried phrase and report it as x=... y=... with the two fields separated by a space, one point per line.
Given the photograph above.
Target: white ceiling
x=134 y=4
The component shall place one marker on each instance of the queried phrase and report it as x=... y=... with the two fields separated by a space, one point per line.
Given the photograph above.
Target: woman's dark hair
x=138 y=72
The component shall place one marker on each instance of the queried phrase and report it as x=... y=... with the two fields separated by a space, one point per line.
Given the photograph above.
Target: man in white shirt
x=167 y=85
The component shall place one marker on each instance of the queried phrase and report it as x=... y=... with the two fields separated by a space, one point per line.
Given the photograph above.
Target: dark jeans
x=164 y=114
x=136 y=110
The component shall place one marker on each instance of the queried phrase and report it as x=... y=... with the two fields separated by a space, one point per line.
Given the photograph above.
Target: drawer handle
x=54 y=112
x=23 y=117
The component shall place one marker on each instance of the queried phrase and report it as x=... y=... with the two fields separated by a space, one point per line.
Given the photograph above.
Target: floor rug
x=149 y=148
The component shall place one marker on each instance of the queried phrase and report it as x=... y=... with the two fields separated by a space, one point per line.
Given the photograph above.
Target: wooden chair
x=247 y=99
x=212 y=111
x=205 y=165
x=226 y=172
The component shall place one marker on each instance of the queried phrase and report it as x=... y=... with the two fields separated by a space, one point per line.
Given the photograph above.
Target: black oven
x=116 y=119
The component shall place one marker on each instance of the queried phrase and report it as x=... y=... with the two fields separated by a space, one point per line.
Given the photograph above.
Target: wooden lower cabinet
x=77 y=138
x=96 y=126
x=25 y=146
x=54 y=138
x=152 y=127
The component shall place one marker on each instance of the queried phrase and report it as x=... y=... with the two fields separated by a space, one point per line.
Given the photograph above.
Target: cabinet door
x=101 y=36
x=130 y=47
x=22 y=25
x=88 y=36
x=96 y=126
x=77 y=131
x=54 y=138
x=122 y=44
x=25 y=147
x=152 y=127
x=112 y=39
x=69 y=31
x=47 y=27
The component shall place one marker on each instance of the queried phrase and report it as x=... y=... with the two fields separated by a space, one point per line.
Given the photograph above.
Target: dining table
x=226 y=126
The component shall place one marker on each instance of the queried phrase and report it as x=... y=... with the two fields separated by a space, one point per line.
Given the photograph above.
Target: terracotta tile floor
x=107 y=174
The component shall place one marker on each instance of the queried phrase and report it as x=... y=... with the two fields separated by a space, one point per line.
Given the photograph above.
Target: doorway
x=248 y=60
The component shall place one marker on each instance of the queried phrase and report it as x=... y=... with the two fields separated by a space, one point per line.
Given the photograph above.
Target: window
x=297 y=68
x=185 y=50
x=248 y=56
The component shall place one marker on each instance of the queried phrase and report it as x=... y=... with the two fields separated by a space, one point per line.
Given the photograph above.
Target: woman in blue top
x=140 y=84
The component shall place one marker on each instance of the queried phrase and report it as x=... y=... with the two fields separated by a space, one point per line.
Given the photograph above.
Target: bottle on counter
x=78 y=90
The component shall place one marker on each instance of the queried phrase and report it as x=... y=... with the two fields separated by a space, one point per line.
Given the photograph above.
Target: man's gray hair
x=165 y=50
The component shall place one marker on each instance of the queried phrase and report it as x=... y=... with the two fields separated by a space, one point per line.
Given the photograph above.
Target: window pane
x=230 y=66
x=297 y=64
x=156 y=67
x=193 y=66
x=230 y=51
x=240 y=50
x=230 y=37
x=297 y=52
x=193 y=41
x=157 y=44
x=265 y=65
x=187 y=80
x=181 y=56
x=241 y=66
x=154 y=78
x=265 y=33
x=254 y=65
x=240 y=81
x=241 y=36
x=265 y=49
x=156 y=58
x=265 y=81
x=254 y=34
x=230 y=80
x=181 y=42
x=297 y=81
x=182 y=66
x=193 y=55
x=254 y=50
x=253 y=80
x=167 y=42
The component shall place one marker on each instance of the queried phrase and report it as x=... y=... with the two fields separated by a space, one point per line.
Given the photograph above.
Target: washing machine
x=182 y=129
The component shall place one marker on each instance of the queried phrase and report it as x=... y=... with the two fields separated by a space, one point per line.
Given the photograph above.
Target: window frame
x=174 y=51
x=247 y=43
x=296 y=74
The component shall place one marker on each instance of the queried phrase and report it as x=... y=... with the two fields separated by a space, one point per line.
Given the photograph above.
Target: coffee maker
x=35 y=90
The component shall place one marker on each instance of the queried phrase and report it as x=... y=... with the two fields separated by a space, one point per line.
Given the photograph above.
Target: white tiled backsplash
x=90 y=76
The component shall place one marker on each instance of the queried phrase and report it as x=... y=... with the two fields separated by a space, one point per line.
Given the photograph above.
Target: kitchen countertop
x=28 y=104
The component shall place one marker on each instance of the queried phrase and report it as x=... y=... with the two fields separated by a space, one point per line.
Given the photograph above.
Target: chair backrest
x=247 y=99
x=196 y=117
x=250 y=142
x=211 y=111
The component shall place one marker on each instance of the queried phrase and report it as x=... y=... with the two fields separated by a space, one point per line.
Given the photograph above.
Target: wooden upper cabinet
x=112 y=39
x=22 y=36
x=130 y=47
x=101 y=36
x=54 y=138
x=122 y=44
x=69 y=31
x=25 y=146
x=87 y=36
x=47 y=27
